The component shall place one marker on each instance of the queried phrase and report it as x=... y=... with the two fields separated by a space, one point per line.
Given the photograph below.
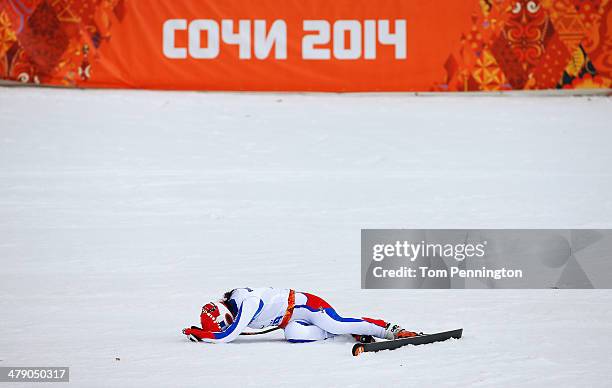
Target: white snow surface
x=122 y=212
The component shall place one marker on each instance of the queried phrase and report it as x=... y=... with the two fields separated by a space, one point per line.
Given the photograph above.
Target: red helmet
x=215 y=316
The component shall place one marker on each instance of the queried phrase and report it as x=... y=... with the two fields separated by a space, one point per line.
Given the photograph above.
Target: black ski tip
x=358 y=349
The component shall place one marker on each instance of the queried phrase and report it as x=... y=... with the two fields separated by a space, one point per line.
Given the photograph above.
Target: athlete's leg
x=301 y=331
x=329 y=320
x=312 y=309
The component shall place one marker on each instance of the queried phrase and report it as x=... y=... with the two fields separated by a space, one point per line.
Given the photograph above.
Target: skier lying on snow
x=304 y=317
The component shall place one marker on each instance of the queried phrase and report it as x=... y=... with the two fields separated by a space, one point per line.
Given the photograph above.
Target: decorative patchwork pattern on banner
x=308 y=45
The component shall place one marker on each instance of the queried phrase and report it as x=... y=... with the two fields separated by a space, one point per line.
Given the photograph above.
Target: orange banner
x=308 y=45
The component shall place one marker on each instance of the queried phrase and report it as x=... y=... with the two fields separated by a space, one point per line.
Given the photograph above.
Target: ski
x=394 y=344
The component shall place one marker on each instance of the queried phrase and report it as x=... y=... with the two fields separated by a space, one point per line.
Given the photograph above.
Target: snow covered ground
x=122 y=212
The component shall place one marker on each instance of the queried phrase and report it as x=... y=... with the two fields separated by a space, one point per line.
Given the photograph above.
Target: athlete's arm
x=247 y=311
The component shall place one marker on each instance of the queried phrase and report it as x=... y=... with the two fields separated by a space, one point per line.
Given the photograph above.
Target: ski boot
x=364 y=339
x=393 y=332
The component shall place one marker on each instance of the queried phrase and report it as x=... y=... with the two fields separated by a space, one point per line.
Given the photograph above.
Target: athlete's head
x=216 y=316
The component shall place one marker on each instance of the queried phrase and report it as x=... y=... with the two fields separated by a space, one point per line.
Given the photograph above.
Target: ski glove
x=197 y=332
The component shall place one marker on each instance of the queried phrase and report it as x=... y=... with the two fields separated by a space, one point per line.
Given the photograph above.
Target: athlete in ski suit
x=303 y=316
